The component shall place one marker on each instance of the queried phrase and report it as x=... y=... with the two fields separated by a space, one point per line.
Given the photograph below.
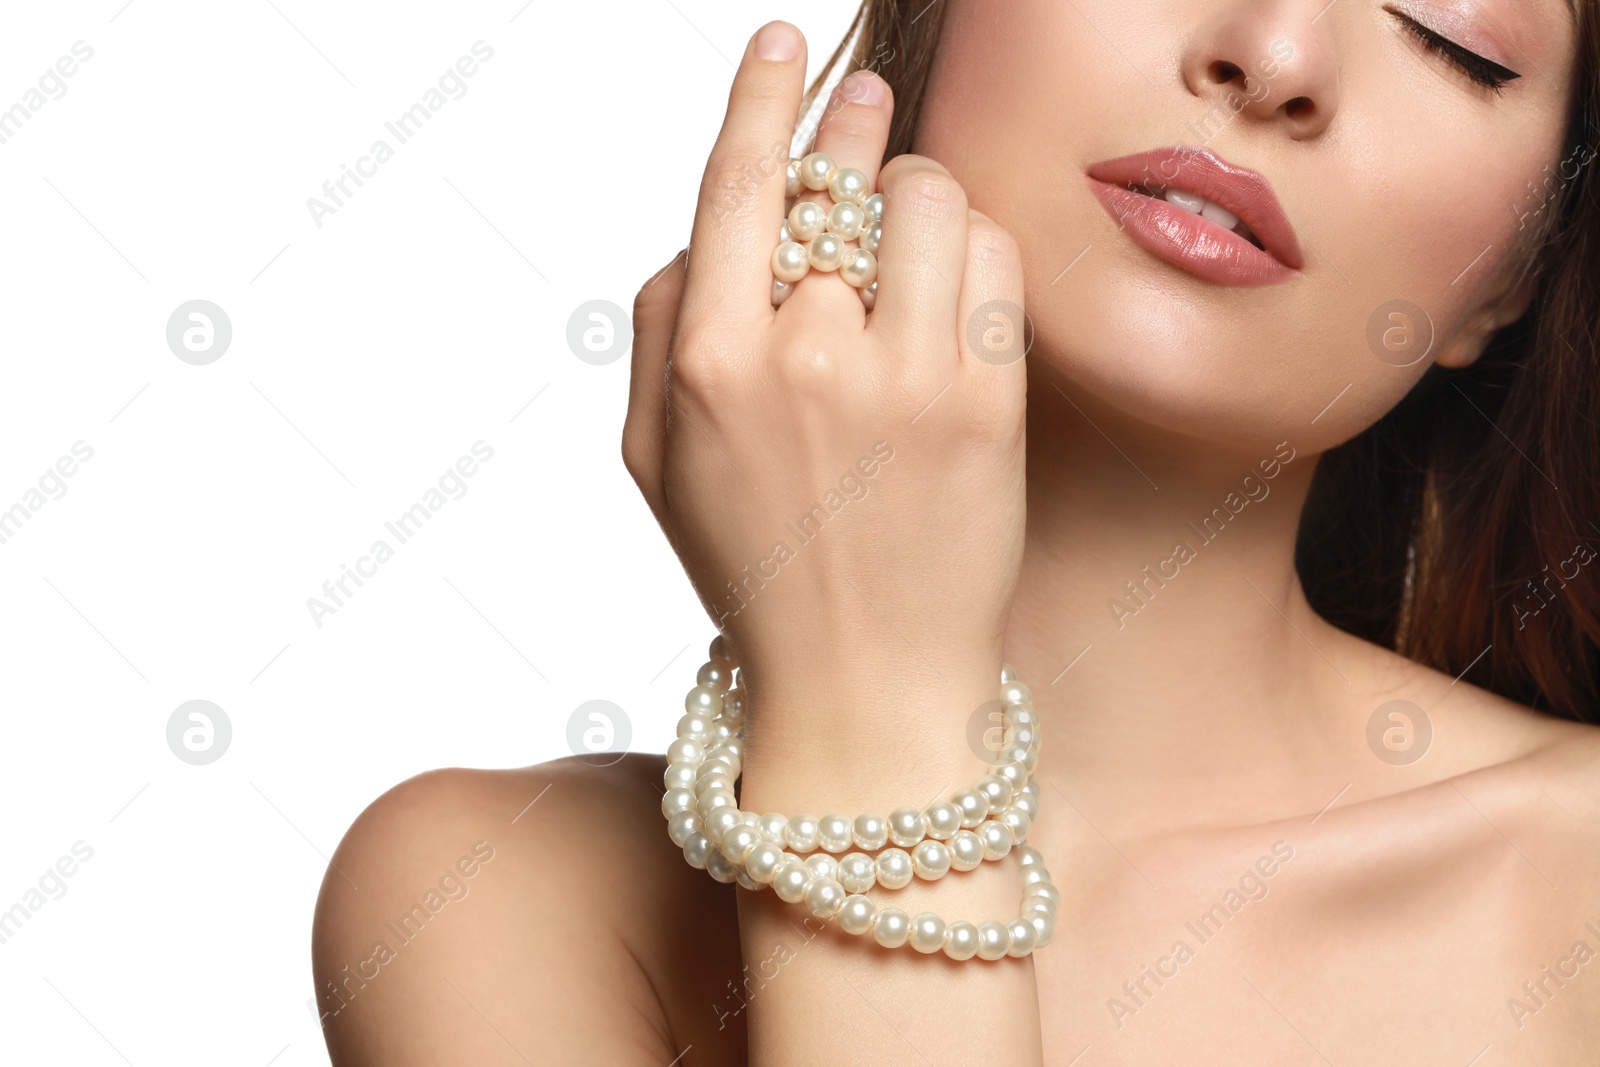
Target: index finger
x=741 y=196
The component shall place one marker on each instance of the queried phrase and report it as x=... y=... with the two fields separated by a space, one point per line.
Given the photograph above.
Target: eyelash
x=1486 y=73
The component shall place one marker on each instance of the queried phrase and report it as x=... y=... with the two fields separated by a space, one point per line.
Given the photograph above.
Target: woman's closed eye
x=1484 y=72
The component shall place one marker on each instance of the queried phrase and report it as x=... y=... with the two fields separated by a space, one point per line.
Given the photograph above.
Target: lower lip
x=1188 y=241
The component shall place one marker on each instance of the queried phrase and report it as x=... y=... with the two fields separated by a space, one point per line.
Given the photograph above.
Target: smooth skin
x=1211 y=751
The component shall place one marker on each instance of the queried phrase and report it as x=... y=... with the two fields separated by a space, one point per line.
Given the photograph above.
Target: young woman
x=1295 y=549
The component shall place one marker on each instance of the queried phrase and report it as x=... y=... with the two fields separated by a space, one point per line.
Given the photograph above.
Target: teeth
x=1218 y=214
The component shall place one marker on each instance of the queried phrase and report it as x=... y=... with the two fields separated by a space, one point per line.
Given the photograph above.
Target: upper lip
x=1196 y=169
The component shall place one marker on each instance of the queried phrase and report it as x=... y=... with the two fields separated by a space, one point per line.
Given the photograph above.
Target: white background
x=367 y=356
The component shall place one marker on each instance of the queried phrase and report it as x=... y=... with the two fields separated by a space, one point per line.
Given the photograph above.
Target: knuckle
x=704 y=356
x=927 y=194
x=989 y=246
x=806 y=367
x=735 y=175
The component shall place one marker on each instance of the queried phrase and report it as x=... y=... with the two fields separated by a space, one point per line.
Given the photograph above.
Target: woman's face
x=1407 y=184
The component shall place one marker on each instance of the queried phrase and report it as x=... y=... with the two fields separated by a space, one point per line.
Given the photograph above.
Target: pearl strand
x=747 y=847
x=813 y=237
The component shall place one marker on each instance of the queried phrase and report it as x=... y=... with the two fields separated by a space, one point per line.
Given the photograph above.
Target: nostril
x=1298 y=107
x=1222 y=72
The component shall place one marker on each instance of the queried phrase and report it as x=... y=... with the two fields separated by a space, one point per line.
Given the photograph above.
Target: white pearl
x=906 y=827
x=998 y=790
x=826 y=252
x=762 y=861
x=857 y=872
x=801 y=833
x=966 y=850
x=697 y=850
x=745 y=880
x=1024 y=937
x=974 y=807
x=792 y=182
x=822 y=865
x=790 y=262
x=1022 y=715
x=891 y=927
x=993 y=940
x=697 y=727
x=871 y=236
x=685 y=750
x=1010 y=773
x=680 y=825
x=784 y=233
x=927 y=932
x=997 y=839
x=806 y=220
x=856 y=914
x=780 y=292
x=825 y=897
x=871 y=831
x=718 y=867
x=713 y=799
x=1046 y=925
x=894 y=868
x=1033 y=788
x=1027 y=805
x=847 y=220
x=676 y=800
x=817 y=170
x=792 y=881
x=1034 y=874
x=1008 y=673
x=720 y=648
x=849 y=186
x=703 y=700
x=716 y=674
x=944 y=819
x=772 y=826
x=860 y=268
x=1019 y=823
x=931 y=860
x=737 y=843
x=1016 y=693
x=835 y=832
x=869 y=296
x=1027 y=856
x=873 y=206
x=961 y=940
x=679 y=775
x=719 y=822
x=733 y=703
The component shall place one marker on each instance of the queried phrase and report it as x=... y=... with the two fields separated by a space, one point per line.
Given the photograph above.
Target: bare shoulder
x=540 y=915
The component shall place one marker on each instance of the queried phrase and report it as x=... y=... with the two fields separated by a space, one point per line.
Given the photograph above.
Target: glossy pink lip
x=1185 y=239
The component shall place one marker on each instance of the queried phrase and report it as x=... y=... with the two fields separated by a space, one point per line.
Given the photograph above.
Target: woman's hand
x=845 y=489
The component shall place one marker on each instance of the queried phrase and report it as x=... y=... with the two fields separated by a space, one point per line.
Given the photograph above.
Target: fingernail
x=778 y=41
x=863 y=87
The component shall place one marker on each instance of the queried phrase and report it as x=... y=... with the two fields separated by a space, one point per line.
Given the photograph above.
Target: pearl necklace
x=974 y=825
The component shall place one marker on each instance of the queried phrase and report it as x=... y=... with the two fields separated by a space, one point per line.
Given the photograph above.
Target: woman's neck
x=1161 y=624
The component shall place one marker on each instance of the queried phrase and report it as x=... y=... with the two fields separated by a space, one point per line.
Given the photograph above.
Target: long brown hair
x=1461 y=528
